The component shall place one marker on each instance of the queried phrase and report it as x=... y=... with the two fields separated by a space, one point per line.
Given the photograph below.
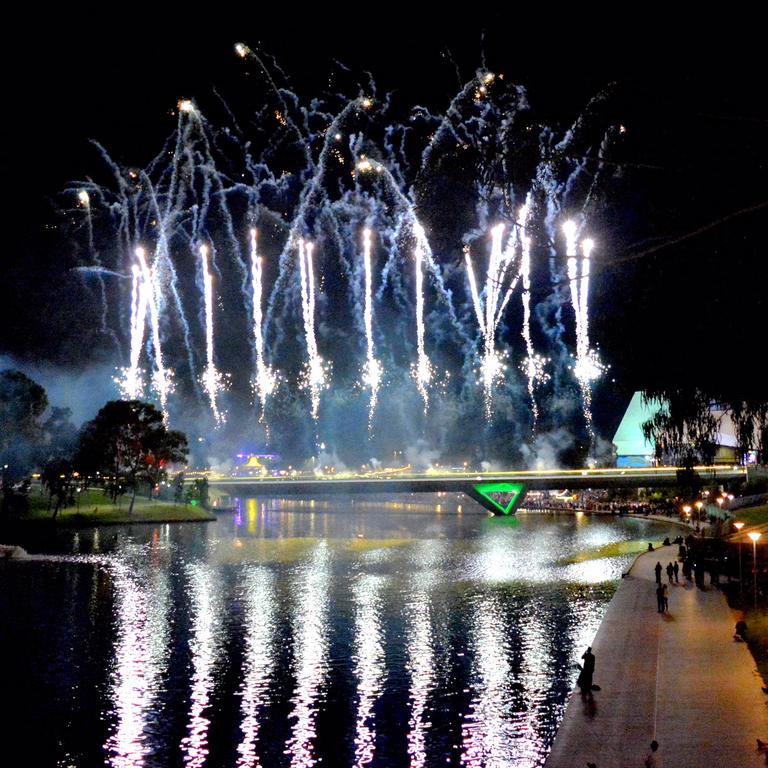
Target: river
x=415 y=632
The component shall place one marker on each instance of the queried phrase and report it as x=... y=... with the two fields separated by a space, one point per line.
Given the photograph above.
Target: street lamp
x=738 y=527
x=687 y=510
x=754 y=535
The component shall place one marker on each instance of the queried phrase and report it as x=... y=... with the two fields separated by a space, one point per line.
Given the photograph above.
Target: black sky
x=693 y=98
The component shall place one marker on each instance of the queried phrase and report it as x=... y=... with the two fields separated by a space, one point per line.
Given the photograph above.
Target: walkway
x=679 y=678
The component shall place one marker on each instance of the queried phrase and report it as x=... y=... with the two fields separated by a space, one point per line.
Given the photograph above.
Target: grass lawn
x=95 y=508
x=751 y=515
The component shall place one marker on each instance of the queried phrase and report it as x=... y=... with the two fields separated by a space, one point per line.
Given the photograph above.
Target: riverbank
x=94 y=509
x=679 y=678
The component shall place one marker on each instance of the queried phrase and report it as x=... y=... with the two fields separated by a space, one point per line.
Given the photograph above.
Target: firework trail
x=84 y=201
x=132 y=385
x=533 y=365
x=489 y=308
x=315 y=376
x=422 y=369
x=264 y=379
x=372 y=371
x=588 y=366
x=308 y=171
x=211 y=379
x=161 y=378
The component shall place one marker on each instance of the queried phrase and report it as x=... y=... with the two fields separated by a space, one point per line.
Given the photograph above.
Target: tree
x=197 y=493
x=58 y=477
x=128 y=443
x=22 y=405
x=178 y=488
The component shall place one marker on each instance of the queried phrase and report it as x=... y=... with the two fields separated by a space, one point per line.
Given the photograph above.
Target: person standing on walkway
x=651 y=758
x=676 y=570
x=584 y=680
x=670 y=571
x=665 y=597
x=658 y=572
x=659 y=599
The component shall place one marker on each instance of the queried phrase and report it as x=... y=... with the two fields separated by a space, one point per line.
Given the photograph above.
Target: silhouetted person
x=584 y=681
x=658 y=573
x=650 y=758
x=676 y=570
x=659 y=599
x=665 y=597
x=670 y=571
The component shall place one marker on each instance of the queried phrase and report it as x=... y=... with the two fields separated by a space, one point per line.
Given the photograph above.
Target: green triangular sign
x=508 y=493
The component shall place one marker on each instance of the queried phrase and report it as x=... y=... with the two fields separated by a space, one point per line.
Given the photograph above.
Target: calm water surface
x=298 y=633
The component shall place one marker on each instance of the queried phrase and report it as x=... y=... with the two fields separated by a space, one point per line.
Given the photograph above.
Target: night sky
x=695 y=156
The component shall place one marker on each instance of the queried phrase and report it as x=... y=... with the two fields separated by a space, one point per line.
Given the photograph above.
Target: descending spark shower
x=359 y=220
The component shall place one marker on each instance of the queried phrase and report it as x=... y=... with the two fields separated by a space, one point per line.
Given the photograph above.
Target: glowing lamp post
x=687 y=510
x=738 y=527
x=754 y=535
x=698 y=505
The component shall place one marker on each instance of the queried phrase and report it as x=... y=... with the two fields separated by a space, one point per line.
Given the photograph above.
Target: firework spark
x=161 y=378
x=587 y=367
x=489 y=307
x=315 y=378
x=212 y=380
x=131 y=384
x=372 y=370
x=422 y=371
x=265 y=378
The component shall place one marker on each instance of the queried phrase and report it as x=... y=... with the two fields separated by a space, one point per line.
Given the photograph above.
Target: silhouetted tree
x=22 y=405
x=128 y=442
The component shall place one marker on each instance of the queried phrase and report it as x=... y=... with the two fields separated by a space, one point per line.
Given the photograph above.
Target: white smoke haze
x=84 y=392
x=220 y=464
x=330 y=459
x=420 y=455
x=543 y=453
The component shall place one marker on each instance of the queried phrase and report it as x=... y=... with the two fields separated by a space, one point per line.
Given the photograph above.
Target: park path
x=679 y=678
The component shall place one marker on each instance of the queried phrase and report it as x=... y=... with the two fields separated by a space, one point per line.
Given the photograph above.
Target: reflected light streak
x=260 y=610
x=488 y=732
x=310 y=628
x=205 y=646
x=421 y=665
x=139 y=660
x=368 y=661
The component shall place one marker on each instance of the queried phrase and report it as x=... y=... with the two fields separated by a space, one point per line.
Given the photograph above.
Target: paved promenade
x=679 y=678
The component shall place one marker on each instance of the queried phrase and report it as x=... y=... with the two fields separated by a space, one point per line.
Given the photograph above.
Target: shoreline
x=108 y=518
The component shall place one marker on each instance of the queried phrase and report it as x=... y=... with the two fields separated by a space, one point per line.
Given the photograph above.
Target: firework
x=422 y=371
x=161 y=378
x=131 y=384
x=315 y=377
x=212 y=380
x=264 y=378
x=489 y=308
x=372 y=370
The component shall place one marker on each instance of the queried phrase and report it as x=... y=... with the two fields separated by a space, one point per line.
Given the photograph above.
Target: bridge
x=501 y=493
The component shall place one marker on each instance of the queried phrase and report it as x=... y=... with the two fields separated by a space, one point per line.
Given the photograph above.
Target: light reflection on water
x=334 y=634
x=368 y=661
x=421 y=666
x=310 y=629
x=141 y=635
x=205 y=646
x=258 y=660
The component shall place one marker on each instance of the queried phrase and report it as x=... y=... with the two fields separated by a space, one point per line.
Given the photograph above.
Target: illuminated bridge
x=499 y=492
